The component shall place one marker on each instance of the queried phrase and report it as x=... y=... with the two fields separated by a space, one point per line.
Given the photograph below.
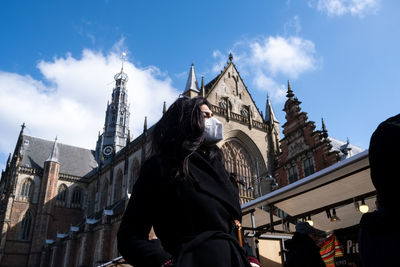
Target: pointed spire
x=54 y=152
x=323 y=125
x=22 y=128
x=324 y=130
x=145 y=124
x=128 y=140
x=269 y=112
x=123 y=58
x=9 y=160
x=121 y=76
x=191 y=83
x=230 y=57
x=202 y=88
x=164 y=109
x=290 y=93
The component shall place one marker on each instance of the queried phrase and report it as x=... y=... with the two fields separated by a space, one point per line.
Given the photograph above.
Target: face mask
x=213 y=131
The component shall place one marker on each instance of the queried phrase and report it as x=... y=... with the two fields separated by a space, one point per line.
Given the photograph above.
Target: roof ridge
x=58 y=143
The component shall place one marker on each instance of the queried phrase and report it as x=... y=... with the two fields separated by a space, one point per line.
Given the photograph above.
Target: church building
x=61 y=205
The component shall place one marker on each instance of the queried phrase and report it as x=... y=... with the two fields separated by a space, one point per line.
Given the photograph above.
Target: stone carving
x=296 y=147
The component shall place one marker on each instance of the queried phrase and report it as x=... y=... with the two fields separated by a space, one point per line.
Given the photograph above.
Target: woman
x=185 y=193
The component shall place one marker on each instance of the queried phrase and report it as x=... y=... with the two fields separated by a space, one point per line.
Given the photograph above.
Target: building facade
x=303 y=149
x=61 y=205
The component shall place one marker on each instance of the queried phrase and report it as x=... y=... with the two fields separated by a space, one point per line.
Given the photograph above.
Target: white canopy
x=338 y=186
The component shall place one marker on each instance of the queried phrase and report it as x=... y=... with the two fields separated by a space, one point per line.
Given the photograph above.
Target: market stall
x=330 y=198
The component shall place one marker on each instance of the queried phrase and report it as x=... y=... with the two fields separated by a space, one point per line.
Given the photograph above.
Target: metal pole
x=258 y=179
x=253 y=223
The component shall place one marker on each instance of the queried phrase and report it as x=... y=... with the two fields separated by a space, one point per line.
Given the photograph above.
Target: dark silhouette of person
x=379 y=235
x=185 y=193
x=302 y=249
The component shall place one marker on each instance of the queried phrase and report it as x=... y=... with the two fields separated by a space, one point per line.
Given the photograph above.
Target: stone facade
x=65 y=209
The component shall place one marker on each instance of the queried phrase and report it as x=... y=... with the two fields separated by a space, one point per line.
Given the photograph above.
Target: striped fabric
x=329 y=250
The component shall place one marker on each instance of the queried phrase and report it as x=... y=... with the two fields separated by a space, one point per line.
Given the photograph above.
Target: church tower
x=116 y=125
x=43 y=228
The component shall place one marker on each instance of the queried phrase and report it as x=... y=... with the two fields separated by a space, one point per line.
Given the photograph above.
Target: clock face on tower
x=107 y=150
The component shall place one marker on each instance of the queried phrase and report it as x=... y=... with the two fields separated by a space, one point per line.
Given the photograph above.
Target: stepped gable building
x=305 y=150
x=61 y=205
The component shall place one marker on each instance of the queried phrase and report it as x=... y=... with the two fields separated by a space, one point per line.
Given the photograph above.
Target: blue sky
x=58 y=58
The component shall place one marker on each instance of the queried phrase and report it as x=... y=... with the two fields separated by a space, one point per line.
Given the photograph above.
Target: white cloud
x=70 y=101
x=342 y=7
x=219 y=63
x=289 y=56
x=275 y=91
x=268 y=62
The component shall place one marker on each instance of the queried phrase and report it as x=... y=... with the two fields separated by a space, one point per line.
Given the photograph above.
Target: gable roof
x=209 y=87
x=73 y=160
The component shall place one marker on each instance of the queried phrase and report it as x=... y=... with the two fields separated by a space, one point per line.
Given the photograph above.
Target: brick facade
x=304 y=150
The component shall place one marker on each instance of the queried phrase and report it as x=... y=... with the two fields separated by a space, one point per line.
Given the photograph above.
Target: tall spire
x=202 y=87
x=54 y=152
x=191 y=83
x=121 y=77
x=324 y=130
x=116 y=125
x=290 y=93
x=145 y=124
x=164 y=109
x=269 y=112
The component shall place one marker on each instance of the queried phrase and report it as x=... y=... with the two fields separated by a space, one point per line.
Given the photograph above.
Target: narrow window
x=292 y=174
x=308 y=167
x=76 y=198
x=26 y=226
x=26 y=189
x=62 y=191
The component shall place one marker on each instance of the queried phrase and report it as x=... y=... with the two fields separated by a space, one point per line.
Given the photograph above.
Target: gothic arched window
x=27 y=189
x=239 y=163
x=25 y=228
x=62 y=193
x=76 y=200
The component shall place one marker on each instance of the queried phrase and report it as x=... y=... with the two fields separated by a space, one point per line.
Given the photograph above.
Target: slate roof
x=73 y=160
x=346 y=150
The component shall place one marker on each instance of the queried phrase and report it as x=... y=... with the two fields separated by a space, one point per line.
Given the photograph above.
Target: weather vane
x=123 y=58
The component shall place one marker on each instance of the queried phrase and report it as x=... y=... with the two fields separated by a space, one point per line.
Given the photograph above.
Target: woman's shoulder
x=155 y=167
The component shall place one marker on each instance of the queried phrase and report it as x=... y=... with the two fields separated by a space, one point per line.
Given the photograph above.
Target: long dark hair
x=180 y=132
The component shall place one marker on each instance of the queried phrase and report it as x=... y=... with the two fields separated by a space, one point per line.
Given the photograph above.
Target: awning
x=339 y=186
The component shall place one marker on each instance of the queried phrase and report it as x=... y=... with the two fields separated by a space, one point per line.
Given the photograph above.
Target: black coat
x=192 y=218
x=303 y=252
x=379 y=239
